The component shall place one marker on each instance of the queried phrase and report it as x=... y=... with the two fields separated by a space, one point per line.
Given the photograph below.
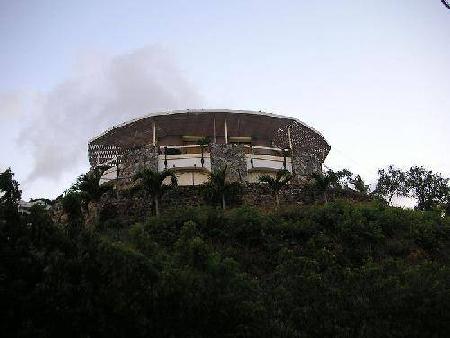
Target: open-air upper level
x=183 y=141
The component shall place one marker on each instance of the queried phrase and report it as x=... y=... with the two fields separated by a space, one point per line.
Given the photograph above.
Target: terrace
x=192 y=163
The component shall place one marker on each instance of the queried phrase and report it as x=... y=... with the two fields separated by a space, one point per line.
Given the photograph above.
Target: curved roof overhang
x=196 y=122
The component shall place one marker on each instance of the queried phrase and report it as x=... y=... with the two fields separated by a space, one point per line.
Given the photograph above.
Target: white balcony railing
x=191 y=158
x=184 y=161
x=267 y=158
x=261 y=162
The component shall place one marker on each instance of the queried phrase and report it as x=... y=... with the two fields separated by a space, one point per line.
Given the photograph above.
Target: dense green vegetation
x=151 y=182
x=277 y=183
x=342 y=268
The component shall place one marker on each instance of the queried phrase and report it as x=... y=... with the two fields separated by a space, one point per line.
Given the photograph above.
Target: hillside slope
x=341 y=269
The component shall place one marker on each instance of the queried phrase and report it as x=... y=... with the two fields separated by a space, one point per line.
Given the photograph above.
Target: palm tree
x=89 y=185
x=323 y=182
x=336 y=181
x=360 y=185
x=152 y=183
x=277 y=183
x=87 y=188
x=10 y=196
x=9 y=189
x=217 y=188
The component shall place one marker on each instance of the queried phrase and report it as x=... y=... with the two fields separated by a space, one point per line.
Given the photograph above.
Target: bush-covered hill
x=341 y=269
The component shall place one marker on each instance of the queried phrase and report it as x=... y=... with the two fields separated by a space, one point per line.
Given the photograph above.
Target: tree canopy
x=430 y=190
x=10 y=195
x=343 y=268
x=281 y=179
x=152 y=183
x=219 y=190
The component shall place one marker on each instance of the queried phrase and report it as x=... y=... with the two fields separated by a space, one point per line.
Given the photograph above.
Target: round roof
x=199 y=122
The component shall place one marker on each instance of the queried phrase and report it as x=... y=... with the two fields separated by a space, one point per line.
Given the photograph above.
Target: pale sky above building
x=372 y=76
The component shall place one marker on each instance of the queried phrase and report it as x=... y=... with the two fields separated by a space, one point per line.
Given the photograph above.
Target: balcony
x=266 y=161
x=192 y=164
x=190 y=157
x=269 y=158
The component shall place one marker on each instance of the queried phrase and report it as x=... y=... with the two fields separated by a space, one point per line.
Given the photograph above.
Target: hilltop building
x=195 y=142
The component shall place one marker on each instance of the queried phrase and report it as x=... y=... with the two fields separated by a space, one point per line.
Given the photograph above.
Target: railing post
x=165 y=157
x=202 y=160
x=117 y=177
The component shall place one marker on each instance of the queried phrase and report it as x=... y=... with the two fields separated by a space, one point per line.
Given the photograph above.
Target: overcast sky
x=372 y=76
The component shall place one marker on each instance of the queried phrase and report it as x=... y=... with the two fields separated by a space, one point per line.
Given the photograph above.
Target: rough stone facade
x=183 y=196
x=136 y=208
x=231 y=155
x=309 y=148
x=130 y=146
x=130 y=208
x=135 y=160
x=259 y=195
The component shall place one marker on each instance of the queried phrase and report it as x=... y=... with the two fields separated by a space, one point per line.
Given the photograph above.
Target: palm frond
x=278 y=182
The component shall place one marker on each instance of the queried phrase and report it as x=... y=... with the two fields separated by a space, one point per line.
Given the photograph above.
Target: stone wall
x=309 y=148
x=231 y=155
x=130 y=208
x=183 y=196
x=136 y=208
x=135 y=160
x=305 y=164
x=259 y=195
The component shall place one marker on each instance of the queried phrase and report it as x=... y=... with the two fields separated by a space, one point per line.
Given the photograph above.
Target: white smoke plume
x=102 y=92
x=10 y=106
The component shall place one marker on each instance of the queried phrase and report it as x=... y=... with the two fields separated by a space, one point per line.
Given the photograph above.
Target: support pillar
x=289 y=138
x=215 y=138
x=226 y=132
x=154 y=133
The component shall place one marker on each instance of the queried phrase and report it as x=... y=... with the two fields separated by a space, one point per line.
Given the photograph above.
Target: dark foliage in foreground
x=343 y=269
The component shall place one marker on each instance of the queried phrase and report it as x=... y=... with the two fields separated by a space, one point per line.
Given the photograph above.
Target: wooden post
x=215 y=138
x=165 y=157
x=154 y=133
x=202 y=160
x=226 y=132
x=117 y=176
x=289 y=138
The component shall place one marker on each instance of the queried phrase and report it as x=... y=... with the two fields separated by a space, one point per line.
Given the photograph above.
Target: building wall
x=254 y=175
x=308 y=147
x=233 y=157
x=135 y=160
x=170 y=140
x=109 y=175
x=186 y=178
x=257 y=195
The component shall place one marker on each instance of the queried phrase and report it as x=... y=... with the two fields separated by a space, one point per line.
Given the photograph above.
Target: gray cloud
x=101 y=92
